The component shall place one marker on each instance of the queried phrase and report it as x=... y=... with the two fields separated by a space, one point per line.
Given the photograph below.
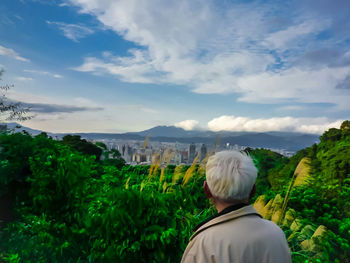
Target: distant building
x=148 y=155
x=143 y=157
x=184 y=156
x=128 y=153
x=191 y=153
x=177 y=159
x=123 y=150
x=203 y=151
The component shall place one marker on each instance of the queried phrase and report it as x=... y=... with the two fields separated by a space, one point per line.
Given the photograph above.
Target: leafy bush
x=72 y=207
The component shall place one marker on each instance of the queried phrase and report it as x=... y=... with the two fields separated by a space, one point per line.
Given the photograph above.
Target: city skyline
x=117 y=66
x=136 y=152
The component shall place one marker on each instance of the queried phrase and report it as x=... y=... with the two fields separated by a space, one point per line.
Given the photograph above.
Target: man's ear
x=207 y=190
x=252 y=192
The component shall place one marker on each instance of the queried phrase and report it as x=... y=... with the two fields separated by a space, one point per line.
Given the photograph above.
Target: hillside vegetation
x=70 y=206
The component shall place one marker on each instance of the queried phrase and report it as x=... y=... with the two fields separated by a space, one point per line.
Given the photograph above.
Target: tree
x=82 y=145
x=345 y=125
x=101 y=145
x=116 y=160
x=10 y=110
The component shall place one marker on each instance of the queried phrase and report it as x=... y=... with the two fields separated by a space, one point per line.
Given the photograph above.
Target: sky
x=118 y=66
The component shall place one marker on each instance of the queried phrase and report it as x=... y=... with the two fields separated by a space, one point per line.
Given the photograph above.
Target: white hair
x=231 y=175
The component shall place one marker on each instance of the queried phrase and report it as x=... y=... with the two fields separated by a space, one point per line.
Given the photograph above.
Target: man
x=237 y=233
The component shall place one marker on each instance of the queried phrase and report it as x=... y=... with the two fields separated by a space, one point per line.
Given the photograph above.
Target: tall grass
x=190 y=171
x=300 y=176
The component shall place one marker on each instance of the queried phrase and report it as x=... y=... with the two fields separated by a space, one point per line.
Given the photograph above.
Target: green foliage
x=82 y=146
x=14 y=165
x=325 y=200
x=73 y=208
x=266 y=161
x=14 y=158
x=113 y=158
x=345 y=125
x=62 y=172
x=78 y=209
x=101 y=145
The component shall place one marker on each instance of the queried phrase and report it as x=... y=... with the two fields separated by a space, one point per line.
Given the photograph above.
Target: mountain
x=175 y=132
x=278 y=140
x=19 y=128
x=172 y=132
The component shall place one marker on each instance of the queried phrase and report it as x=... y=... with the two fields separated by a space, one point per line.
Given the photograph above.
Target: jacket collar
x=224 y=211
x=224 y=217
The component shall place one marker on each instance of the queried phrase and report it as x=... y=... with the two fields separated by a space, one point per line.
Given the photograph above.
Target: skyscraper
x=123 y=150
x=191 y=152
x=203 y=151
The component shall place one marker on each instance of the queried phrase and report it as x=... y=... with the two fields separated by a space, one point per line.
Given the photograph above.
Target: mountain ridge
x=279 y=140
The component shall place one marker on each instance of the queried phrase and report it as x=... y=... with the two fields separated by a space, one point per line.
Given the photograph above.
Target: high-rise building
x=191 y=153
x=123 y=150
x=203 y=151
x=184 y=156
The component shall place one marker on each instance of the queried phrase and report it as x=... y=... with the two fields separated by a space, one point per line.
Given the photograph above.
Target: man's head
x=230 y=177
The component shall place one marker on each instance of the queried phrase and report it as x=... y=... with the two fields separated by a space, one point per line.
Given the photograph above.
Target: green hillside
x=61 y=203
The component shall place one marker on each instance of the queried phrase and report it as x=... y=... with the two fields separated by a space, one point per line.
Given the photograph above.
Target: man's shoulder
x=271 y=226
x=242 y=234
x=238 y=216
x=250 y=228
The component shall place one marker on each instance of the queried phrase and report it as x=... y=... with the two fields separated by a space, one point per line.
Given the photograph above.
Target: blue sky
x=115 y=66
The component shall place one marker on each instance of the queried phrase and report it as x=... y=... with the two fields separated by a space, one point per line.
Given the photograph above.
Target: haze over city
x=117 y=66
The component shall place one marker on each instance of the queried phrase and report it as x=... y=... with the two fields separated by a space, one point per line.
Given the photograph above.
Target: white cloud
x=282 y=39
x=117 y=116
x=188 y=125
x=11 y=53
x=213 y=51
x=24 y=79
x=86 y=102
x=134 y=108
x=306 y=125
x=46 y=73
x=83 y=101
x=308 y=86
x=184 y=43
x=129 y=69
x=72 y=31
x=28 y=97
x=19 y=17
x=291 y=108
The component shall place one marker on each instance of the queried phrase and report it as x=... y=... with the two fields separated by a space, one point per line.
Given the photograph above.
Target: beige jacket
x=238 y=236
